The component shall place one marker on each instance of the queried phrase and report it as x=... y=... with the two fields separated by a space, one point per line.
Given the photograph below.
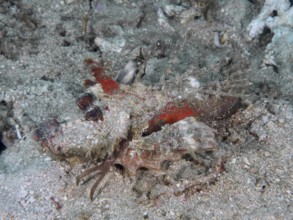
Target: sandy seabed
x=239 y=48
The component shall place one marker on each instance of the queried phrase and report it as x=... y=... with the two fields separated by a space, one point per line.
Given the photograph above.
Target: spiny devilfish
x=139 y=127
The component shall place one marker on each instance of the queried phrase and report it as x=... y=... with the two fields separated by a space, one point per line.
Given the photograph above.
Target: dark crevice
x=275 y=68
x=2 y=146
x=253 y=1
x=265 y=37
x=119 y=167
x=274 y=13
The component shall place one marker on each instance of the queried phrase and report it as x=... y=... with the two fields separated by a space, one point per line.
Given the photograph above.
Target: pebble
x=22 y=193
x=173 y=10
x=194 y=82
x=265 y=119
x=48 y=159
x=163 y=21
x=188 y=15
x=113 y=45
x=281 y=121
x=267 y=154
x=69 y=1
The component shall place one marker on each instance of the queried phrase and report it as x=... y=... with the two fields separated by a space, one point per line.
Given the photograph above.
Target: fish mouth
x=46 y=132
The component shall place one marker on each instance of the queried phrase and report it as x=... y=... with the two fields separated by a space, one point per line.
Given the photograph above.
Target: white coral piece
x=284 y=17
